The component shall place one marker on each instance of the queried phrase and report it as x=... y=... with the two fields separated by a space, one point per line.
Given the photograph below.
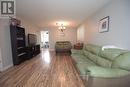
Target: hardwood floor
x=45 y=70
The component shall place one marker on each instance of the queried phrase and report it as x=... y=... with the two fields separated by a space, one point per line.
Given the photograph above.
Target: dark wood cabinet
x=32 y=51
x=18 y=44
x=21 y=52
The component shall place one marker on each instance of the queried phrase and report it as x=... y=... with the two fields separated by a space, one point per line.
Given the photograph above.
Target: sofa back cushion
x=92 y=51
x=92 y=57
x=104 y=62
x=122 y=62
x=111 y=54
x=63 y=45
x=93 y=48
x=99 y=60
x=85 y=52
x=112 y=57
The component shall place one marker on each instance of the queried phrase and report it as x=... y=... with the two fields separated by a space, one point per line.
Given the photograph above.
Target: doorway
x=45 y=39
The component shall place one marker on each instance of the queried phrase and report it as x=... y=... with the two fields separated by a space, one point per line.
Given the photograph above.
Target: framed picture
x=104 y=25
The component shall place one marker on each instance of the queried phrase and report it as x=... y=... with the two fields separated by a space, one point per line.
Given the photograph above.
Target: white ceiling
x=44 y=13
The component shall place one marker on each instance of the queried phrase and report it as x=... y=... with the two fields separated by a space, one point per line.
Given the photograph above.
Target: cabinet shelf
x=20 y=48
x=21 y=54
x=20 y=38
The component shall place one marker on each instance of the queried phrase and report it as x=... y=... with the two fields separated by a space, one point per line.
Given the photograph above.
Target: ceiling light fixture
x=61 y=26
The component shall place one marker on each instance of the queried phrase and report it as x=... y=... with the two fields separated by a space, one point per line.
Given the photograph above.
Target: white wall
x=5 y=42
x=80 y=34
x=70 y=35
x=118 y=35
x=29 y=28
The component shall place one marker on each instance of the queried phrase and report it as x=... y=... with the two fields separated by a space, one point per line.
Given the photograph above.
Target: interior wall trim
x=5 y=68
x=1 y=65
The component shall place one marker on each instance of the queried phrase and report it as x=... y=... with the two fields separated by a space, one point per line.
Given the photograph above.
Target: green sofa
x=103 y=68
x=63 y=46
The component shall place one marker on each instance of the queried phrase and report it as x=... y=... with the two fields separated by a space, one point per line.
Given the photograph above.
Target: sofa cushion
x=122 y=62
x=74 y=51
x=93 y=48
x=99 y=60
x=96 y=71
x=80 y=58
x=83 y=67
x=86 y=60
x=93 y=57
x=85 y=52
x=112 y=53
x=104 y=62
x=77 y=56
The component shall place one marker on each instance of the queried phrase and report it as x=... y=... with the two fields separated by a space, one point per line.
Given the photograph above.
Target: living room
x=74 y=26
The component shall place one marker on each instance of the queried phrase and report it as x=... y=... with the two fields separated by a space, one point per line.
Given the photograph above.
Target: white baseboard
x=0 y=66
x=5 y=68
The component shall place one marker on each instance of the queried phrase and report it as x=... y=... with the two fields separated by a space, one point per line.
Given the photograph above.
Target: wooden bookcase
x=18 y=44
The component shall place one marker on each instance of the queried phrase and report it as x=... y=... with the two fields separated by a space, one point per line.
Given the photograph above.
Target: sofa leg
x=85 y=79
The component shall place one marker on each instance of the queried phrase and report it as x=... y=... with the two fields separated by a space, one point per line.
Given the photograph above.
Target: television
x=32 y=39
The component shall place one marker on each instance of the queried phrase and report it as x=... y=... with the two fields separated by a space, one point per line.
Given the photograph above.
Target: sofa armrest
x=102 y=72
x=74 y=51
